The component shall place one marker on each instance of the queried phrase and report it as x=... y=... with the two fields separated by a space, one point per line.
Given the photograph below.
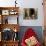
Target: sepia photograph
x=30 y=13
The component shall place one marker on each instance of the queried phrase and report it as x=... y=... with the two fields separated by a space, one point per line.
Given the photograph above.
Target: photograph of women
x=30 y=13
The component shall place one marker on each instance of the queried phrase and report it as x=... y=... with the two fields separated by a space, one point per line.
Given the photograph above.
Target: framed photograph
x=30 y=13
x=12 y=12
x=5 y=12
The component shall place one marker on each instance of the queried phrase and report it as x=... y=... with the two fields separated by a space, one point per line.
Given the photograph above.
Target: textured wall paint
x=11 y=3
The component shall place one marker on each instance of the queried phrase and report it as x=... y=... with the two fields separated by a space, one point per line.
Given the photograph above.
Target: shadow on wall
x=37 y=29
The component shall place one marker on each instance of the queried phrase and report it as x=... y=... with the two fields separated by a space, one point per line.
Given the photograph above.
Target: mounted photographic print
x=30 y=13
x=5 y=12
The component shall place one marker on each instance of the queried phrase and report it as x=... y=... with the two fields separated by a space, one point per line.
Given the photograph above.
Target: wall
x=11 y=3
